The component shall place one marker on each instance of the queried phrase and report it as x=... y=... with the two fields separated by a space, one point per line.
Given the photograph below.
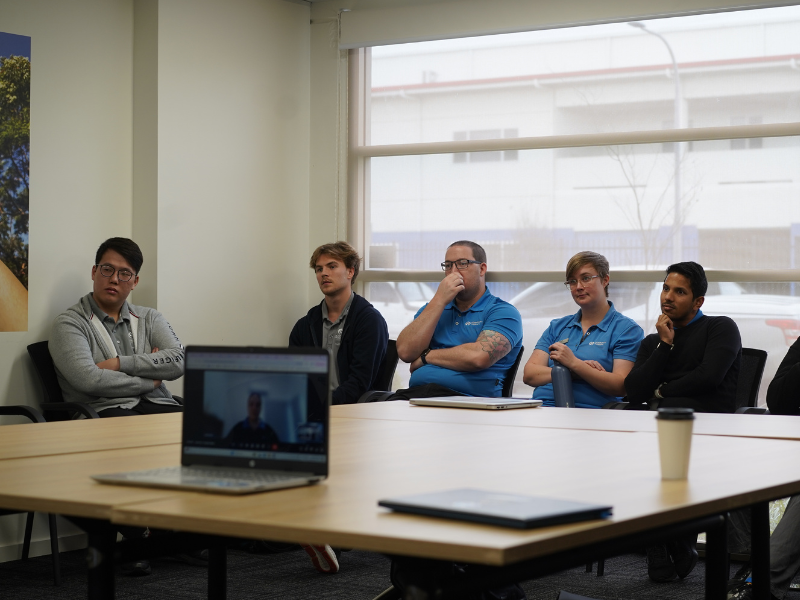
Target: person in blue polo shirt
x=597 y=344
x=465 y=339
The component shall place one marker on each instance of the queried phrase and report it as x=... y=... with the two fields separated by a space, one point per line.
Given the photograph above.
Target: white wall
x=81 y=64
x=327 y=185
x=233 y=169
x=80 y=158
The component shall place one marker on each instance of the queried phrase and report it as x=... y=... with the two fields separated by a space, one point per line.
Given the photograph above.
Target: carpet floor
x=288 y=575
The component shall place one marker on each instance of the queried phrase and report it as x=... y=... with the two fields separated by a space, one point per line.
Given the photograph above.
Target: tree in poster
x=15 y=128
x=15 y=88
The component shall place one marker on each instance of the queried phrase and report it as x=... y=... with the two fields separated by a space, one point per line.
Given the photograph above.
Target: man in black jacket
x=355 y=333
x=783 y=398
x=783 y=395
x=345 y=323
x=691 y=361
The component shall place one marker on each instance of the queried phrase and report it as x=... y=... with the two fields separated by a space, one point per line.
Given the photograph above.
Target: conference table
x=741 y=425
x=393 y=449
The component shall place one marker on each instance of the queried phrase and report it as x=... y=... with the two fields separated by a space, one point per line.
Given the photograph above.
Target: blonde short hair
x=598 y=261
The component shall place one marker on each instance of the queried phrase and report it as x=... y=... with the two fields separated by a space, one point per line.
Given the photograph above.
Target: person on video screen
x=253 y=429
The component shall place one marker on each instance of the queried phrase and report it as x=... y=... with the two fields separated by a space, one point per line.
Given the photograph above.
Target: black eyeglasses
x=461 y=264
x=585 y=279
x=108 y=271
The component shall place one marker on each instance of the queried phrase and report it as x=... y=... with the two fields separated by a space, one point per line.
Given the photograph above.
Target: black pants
x=429 y=390
x=145 y=407
x=655 y=403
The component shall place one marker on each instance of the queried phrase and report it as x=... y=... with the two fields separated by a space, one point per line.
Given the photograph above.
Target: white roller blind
x=378 y=22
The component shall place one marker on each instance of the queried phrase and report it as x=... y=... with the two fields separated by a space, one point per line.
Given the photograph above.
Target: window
x=538 y=145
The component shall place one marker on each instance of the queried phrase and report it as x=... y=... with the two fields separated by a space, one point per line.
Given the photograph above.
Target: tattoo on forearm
x=494 y=344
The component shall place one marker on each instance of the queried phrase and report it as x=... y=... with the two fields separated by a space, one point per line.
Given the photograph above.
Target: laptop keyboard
x=206 y=474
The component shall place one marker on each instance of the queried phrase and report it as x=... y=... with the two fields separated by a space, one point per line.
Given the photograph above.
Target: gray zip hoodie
x=77 y=347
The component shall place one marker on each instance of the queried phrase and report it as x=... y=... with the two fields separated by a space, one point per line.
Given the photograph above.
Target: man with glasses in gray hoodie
x=115 y=356
x=110 y=354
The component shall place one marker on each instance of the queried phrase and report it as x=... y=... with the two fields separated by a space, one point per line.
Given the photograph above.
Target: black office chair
x=388 y=367
x=511 y=375
x=750 y=372
x=35 y=417
x=54 y=407
x=751 y=369
x=381 y=394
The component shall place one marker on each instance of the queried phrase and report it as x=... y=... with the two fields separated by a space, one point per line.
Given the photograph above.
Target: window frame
x=360 y=151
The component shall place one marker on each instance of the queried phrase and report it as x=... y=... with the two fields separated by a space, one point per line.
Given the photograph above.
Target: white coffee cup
x=675 y=441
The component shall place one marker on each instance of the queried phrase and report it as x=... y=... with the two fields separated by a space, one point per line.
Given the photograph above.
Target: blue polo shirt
x=616 y=336
x=455 y=328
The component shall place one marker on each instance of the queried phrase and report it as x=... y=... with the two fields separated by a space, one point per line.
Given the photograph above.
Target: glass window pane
x=736 y=209
x=734 y=68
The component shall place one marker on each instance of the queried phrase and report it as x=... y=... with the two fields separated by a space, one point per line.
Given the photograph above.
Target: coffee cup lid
x=675 y=414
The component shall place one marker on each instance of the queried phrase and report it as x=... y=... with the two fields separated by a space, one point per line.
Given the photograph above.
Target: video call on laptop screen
x=256 y=404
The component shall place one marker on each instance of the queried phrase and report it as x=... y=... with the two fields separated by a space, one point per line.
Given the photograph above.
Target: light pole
x=677 y=241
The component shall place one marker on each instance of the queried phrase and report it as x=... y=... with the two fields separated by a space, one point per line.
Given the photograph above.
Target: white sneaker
x=323 y=557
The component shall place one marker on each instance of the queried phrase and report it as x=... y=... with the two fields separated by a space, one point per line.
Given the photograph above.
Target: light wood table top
x=88 y=435
x=760 y=426
x=374 y=459
x=61 y=484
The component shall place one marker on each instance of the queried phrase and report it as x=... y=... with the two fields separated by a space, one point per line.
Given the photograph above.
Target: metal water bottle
x=562 y=386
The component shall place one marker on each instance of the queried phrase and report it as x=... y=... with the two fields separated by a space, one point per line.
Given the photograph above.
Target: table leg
x=100 y=560
x=759 y=550
x=717 y=560
x=217 y=572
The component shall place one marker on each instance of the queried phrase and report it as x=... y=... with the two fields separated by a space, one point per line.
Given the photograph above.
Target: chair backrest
x=43 y=362
x=387 y=369
x=750 y=372
x=511 y=375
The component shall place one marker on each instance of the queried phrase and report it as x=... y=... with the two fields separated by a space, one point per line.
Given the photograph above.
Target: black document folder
x=497 y=508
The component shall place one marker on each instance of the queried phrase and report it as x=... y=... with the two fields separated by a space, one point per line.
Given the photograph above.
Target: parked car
x=768 y=322
x=398 y=302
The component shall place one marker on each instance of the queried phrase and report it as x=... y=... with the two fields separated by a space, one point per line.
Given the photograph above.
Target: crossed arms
x=537 y=372
x=89 y=372
x=481 y=354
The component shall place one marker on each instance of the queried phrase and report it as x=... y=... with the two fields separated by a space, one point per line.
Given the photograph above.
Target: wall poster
x=15 y=135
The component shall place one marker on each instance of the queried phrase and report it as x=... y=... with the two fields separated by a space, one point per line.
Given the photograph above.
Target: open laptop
x=254 y=419
x=475 y=402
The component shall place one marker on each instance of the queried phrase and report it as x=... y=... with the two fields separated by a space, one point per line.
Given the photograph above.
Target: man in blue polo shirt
x=465 y=339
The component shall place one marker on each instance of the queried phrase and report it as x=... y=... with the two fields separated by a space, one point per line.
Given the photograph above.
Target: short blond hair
x=598 y=261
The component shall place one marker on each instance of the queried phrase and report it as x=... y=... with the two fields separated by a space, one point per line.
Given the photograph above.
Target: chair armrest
x=615 y=405
x=751 y=410
x=84 y=409
x=20 y=410
x=374 y=396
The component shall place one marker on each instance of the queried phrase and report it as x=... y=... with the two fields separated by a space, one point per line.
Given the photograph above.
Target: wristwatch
x=671 y=346
x=657 y=393
x=423 y=355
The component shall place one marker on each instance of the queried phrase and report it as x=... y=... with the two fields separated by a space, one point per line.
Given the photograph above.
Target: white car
x=767 y=322
x=398 y=302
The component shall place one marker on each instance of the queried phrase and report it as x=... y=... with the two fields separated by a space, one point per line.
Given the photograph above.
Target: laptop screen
x=256 y=407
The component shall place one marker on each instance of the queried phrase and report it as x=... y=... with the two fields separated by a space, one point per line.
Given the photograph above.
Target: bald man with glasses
x=465 y=339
